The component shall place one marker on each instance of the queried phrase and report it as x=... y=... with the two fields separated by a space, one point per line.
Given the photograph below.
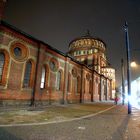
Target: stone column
x=92 y=87
x=110 y=89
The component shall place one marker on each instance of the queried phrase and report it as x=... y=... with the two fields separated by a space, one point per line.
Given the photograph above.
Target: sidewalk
x=22 y=115
x=133 y=128
x=124 y=126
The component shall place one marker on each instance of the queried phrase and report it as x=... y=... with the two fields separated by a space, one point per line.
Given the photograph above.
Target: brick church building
x=32 y=72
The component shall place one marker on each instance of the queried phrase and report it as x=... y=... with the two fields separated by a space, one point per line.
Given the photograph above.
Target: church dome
x=87 y=42
x=88 y=50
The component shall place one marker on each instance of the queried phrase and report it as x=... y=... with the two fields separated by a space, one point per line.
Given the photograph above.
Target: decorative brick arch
x=5 y=67
x=31 y=82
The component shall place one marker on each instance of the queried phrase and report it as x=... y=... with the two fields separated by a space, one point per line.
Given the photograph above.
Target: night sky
x=57 y=22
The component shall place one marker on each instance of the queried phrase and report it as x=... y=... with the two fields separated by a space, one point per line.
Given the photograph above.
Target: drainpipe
x=81 y=90
x=92 y=86
x=35 y=78
x=100 y=88
x=106 y=90
x=65 y=92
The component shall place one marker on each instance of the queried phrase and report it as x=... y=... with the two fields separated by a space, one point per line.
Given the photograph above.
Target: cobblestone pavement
x=114 y=124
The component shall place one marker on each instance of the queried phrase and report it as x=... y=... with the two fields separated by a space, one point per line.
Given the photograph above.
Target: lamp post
x=123 y=89
x=128 y=65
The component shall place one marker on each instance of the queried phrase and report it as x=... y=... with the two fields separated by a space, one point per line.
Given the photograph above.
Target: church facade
x=32 y=72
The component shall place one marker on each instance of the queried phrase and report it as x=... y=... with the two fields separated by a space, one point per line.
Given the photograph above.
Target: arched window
x=58 y=87
x=78 y=84
x=2 y=60
x=69 y=83
x=27 y=75
x=43 y=77
x=105 y=87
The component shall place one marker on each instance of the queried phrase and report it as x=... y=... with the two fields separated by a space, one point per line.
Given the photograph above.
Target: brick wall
x=13 y=89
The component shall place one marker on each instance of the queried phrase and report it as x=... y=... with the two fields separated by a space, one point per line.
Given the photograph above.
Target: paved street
x=113 y=124
x=13 y=115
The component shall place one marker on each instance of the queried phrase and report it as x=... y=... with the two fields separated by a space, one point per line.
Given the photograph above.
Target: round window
x=17 y=52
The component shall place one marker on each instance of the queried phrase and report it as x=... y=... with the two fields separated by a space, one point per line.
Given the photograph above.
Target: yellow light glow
x=133 y=64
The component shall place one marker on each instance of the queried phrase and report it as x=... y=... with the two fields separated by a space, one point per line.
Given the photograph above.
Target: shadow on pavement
x=5 y=135
x=119 y=134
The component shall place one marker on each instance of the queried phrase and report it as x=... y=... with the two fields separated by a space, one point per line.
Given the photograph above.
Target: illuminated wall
x=135 y=93
x=110 y=73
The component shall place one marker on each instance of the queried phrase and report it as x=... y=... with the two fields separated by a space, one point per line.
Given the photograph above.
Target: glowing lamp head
x=133 y=64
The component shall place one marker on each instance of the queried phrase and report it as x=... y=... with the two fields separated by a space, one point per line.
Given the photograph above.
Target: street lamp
x=133 y=64
x=135 y=70
x=128 y=65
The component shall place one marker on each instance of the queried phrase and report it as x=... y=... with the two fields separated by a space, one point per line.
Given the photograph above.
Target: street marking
x=59 y=121
x=81 y=127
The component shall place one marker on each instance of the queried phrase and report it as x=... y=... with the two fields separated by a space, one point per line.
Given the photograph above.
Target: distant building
x=32 y=72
